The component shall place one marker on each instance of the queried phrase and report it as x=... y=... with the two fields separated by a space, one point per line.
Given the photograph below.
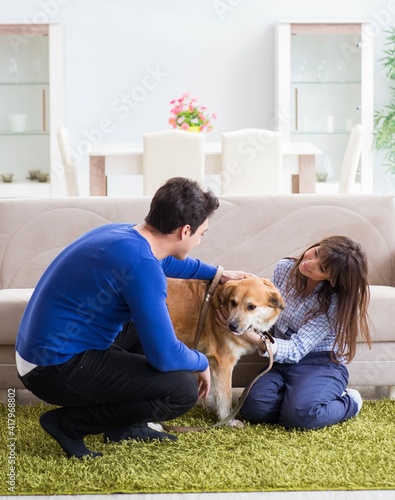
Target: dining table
x=108 y=159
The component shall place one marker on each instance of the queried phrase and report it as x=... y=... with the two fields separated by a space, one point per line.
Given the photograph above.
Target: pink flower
x=186 y=112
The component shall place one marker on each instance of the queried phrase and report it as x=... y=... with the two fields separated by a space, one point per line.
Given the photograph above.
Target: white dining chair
x=172 y=153
x=251 y=162
x=69 y=167
x=351 y=159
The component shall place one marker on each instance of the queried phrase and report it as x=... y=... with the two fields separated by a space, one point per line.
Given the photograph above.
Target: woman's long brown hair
x=346 y=263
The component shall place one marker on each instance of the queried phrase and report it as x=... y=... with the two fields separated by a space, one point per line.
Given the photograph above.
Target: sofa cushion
x=373 y=366
x=12 y=304
x=382 y=313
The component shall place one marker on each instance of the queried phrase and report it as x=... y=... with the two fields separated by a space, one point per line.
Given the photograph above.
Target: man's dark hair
x=180 y=201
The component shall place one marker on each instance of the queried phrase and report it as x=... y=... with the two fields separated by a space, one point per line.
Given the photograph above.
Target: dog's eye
x=233 y=303
x=251 y=307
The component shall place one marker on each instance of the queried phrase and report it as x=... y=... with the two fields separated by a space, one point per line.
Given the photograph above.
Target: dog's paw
x=237 y=424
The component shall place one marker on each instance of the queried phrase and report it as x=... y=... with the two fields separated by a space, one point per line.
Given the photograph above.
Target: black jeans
x=103 y=390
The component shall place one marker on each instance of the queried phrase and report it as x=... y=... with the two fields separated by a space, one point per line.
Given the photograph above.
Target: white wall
x=147 y=52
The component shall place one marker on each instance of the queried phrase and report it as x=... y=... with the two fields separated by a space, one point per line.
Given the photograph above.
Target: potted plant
x=187 y=114
x=384 y=119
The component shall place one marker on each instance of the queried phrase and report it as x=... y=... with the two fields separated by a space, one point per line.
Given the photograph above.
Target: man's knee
x=187 y=391
x=182 y=396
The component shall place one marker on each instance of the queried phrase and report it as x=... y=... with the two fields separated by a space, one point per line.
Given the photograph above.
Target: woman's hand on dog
x=204 y=381
x=249 y=335
x=254 y=338
x=222 y=317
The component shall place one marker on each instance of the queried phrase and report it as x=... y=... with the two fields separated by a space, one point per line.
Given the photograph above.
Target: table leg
x=97 y=176
x=306 y=174
x=295 y=184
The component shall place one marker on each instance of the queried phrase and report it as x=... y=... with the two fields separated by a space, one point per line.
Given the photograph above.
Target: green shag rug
x=356 y=455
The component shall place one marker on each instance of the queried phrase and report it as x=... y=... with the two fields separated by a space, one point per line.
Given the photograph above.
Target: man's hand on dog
x=234 y=275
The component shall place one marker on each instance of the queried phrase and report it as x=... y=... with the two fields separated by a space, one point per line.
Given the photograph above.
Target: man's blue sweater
x=106 y=278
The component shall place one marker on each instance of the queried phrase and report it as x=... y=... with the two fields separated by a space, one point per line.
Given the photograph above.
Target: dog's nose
x=233 y=327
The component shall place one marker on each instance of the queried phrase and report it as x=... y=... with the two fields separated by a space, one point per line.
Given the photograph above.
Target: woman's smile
x=311 y=265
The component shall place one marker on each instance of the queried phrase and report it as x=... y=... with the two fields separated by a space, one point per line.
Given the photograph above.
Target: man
x=96 y=337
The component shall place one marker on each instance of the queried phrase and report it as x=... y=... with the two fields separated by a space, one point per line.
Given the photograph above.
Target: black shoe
x=72 y=447
x=137 y=431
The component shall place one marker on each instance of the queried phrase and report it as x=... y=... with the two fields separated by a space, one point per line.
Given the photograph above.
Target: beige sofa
x=246 y=233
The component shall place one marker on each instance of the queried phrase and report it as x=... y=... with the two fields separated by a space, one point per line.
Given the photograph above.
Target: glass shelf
x=12 y=84
x=327 y=82
x=26 y=132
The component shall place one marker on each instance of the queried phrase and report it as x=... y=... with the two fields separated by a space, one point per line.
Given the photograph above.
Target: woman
x=326 y=295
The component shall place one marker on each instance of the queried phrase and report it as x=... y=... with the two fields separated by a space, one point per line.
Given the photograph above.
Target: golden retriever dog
x=250 y=303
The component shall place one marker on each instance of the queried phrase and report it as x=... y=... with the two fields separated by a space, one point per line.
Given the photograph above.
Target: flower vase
x=194 y=128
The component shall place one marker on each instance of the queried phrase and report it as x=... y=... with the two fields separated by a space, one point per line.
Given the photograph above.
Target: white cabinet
x=31 y=108
x=324 y=85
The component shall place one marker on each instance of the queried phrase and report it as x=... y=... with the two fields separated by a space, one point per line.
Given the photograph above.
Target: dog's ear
x=224 y=292
x=275 y=300
x=266 y=281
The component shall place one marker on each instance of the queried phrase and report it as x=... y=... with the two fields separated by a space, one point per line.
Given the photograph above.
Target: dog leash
x=268 y=339
x=206 y=304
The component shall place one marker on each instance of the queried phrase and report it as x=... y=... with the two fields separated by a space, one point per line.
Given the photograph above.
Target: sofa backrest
x=34 y=231
x=249 y=233
x=253 y=233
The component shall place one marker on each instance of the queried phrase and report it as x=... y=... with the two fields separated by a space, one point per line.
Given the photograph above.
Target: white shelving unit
x=324 y=85
x=31 y=107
